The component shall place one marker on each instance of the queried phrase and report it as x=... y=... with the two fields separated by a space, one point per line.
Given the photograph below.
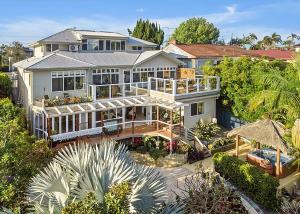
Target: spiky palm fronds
x=82 y=168
x=278 y=93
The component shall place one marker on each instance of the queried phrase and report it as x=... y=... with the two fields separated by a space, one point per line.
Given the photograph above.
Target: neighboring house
x=286 y=55
x=196 y=55
x=83 y=82
x=297 y=47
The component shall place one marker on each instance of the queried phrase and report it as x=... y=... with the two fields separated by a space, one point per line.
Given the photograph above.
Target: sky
x=30 y=20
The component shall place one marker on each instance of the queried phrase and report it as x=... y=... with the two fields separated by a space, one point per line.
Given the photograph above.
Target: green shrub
x=220 y=143
x=206 y=131
x=157 y=153
x=257 y=184
x=5 y=85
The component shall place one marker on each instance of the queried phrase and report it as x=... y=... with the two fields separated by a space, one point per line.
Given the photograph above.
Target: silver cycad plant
x=82 y=168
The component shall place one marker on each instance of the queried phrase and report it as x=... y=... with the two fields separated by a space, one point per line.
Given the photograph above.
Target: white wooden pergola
x=44 y=117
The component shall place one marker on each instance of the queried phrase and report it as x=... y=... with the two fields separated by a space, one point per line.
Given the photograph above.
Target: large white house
x=82 y=82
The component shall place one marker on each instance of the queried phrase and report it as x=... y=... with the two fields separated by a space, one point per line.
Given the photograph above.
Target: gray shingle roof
x=105 y=58
x=65 y=36
x=65 y=59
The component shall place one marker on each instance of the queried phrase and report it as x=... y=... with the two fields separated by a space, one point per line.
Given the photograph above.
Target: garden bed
x=173 y=160
x=155 y=151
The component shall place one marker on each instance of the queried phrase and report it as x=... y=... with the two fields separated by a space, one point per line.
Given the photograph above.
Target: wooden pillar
x=237 y=143
x=278 y=162
x=157 y=118
x=171 y=130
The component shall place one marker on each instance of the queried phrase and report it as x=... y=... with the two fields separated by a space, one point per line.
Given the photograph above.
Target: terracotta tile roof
x=207 y=50
x=276 y=54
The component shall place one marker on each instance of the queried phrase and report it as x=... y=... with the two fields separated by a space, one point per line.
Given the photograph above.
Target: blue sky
x=30 y=20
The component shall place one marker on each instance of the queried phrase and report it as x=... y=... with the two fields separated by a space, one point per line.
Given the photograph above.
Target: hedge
x=254 y=182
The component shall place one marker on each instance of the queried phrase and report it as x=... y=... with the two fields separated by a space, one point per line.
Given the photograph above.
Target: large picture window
x=197 y=109
x=68 y=80
x=106 y=76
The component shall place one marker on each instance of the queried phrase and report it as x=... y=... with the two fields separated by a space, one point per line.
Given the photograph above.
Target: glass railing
x=101 y=92
x=185 y=86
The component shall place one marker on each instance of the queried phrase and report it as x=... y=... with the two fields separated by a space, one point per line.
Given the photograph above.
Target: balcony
x=111 y=91
x=184 y=88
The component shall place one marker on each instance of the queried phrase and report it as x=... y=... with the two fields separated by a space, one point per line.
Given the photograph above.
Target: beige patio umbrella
x=266 y=131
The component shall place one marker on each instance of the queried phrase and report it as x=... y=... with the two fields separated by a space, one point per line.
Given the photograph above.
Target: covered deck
x=117 y=118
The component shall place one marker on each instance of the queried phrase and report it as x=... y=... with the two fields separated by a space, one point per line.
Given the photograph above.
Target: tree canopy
x=20 y=155
x=149 y=31
x=196 y=31
x=247 y=86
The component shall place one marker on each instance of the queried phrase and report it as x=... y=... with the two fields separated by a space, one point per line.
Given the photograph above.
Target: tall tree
x=196 y=31
x=14 y=51
x=276 y=39
x=149 y=31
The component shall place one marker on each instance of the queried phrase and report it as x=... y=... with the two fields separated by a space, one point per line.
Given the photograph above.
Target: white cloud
x=140 y=10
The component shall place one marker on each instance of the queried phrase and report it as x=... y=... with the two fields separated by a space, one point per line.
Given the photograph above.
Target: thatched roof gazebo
x=266 y=131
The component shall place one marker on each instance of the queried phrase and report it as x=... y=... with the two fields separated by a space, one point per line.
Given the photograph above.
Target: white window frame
x=106 y=71
x=63 y=74
x=197 y=114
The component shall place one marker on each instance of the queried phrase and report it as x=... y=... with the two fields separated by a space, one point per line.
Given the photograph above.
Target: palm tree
x=80 y=169
x=250 y=39
x=267 y=42
x=279 y=94
x=276 y=39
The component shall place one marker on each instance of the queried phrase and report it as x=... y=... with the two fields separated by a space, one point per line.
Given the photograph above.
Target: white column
x=174 y=87
x=43 y=124
x=198 y=86
x=59 y=124
x=218 y=83
x=123 y=117
x=38 y=125
x=73 y=121
x=79 y=121
x=93 y=119
x=52 y=119
x=94 y=93
x=67 y=123
x=86 y=120
x=33 y=124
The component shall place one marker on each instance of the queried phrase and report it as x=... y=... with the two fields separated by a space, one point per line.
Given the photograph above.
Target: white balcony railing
x=174 y=87
x=102 y=92
x=177 y=87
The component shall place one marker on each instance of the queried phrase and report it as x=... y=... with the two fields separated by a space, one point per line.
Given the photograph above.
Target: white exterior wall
x=42 y=82
x=209 y=112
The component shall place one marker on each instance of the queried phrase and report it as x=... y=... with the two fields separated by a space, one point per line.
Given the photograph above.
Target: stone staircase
x=188 y=137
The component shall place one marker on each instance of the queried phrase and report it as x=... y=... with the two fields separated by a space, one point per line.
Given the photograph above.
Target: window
x=52 y=47
x=122 y=45
x=118 y=45
x=107 y=45
x=48 y=47
x=101 y=45
x=93 y=44
x=68 y=83
x=57 y=84
x=137 y=48
x=106 y=76
x=84 y=44
x=197 y=109
x=55 y=47
x=113 y=45
x=68 y=80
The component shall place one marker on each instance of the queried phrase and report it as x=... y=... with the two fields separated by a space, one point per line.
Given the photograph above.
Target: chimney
x=173 y=41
